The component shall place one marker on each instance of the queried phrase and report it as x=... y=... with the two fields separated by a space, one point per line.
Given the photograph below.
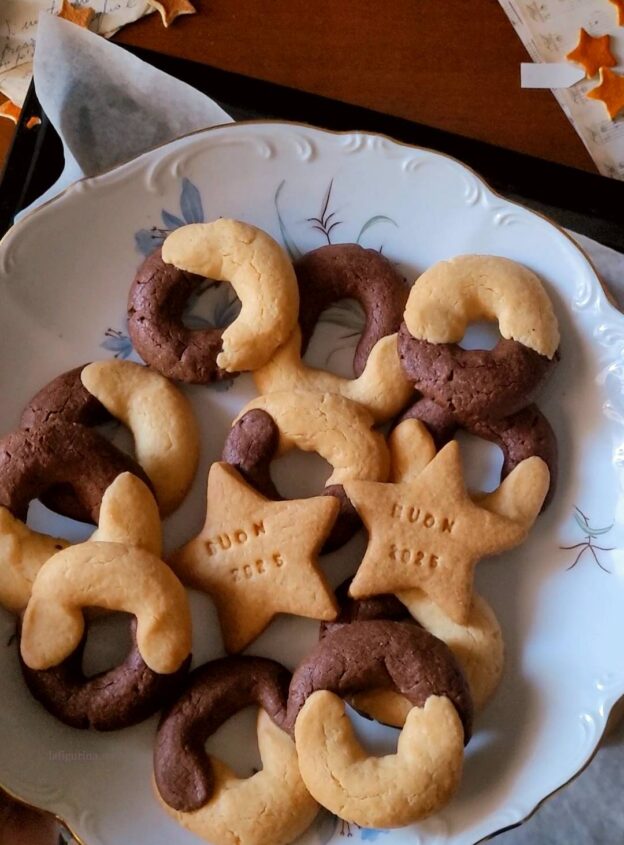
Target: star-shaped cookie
x=610 y=91
x=592 y=53
x=428 y=533
x=257 y=557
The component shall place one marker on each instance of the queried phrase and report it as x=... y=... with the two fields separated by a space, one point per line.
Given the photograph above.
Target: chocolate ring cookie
x=379 y=654
x=108 y=701
x=61 y=455
x=324 y=276
x=225 y=250
x=519 y=436
x=214 y=692
x=158 y=296
x=159 y=417
x=273 y=806
x=478 y=383
x=338 y=429
x=398 y=789
x=477 y=645
x=64 y=399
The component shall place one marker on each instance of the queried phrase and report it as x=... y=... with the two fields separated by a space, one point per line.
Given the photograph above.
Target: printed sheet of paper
x=18 y=25
x=549 y=30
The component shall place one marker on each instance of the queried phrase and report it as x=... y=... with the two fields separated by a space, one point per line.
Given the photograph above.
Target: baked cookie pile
x=406 y=640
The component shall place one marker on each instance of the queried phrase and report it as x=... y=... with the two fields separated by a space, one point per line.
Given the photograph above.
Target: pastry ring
x=224 y=251
x=421 y=777
x=158 y=415
x=118 y=569
x=477 y=383
x=326 y=275
x=338 y=429
x=273 y=806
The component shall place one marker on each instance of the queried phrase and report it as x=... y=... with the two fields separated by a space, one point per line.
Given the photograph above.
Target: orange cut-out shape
x=80 y=15
x=619 y=5
x=592 y=52
x=170 y=9
x=9 y=110
x=610 y=91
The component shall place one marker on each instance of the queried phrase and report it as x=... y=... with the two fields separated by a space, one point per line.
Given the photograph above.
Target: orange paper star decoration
x=592 y=53
x=10 y=111
x=610 y=91
x=619 y=5
x=80 y=15
x=170 y=9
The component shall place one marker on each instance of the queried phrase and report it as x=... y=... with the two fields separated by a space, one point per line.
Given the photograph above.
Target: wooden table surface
x=452 y=64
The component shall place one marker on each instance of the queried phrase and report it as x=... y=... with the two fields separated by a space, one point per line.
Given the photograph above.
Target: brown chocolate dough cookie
x=156 y=303
x=214 y=692
x=380 y=654
x=108 y=701
x=59 y=453
x=385 y=606
x=519 y=436
x=348 y=271
x=474 y=383
x=65 y=398
x=251 y=446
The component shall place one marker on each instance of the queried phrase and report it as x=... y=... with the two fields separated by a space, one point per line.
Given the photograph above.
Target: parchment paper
x=18 y=25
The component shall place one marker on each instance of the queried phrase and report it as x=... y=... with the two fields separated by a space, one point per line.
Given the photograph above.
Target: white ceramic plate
x=65 y=273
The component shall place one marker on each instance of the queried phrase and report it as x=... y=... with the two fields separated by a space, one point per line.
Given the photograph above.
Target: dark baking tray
x=585 y=202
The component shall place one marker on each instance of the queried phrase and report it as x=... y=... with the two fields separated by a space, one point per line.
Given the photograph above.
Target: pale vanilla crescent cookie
x=451 y=294
x=161 y=419
x=261 y=274
x=380 y=792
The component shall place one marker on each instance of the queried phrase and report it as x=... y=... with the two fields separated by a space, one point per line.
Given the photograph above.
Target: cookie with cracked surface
x=273 y=806
x=477 y=383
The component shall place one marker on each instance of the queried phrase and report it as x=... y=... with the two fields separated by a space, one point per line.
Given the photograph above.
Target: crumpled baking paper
x=107 y=105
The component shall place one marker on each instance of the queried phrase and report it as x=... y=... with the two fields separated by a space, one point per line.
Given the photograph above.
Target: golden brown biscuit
x=381 y=792
x=260 y=273
x=22 y=554
x=128 y=514
x=256 y=557
x=477 y=645
x=382 y=388
x=338 y=429
x=160 y=417
x=453 y=293
x=428 y=533
x=112 y=576
x=272 y=807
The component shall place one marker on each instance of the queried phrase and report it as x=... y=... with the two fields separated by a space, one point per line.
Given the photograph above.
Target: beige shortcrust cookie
x=382 y=388
x=128 y=514
x=22 y=554
x=429 y=533
x=453 y=293
x=381 y=792
x=272 y=807
x=260 y=273
x=477 y=645
x=161 y=419
x=111 y=576
x=338 y=429
x=257 y=557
